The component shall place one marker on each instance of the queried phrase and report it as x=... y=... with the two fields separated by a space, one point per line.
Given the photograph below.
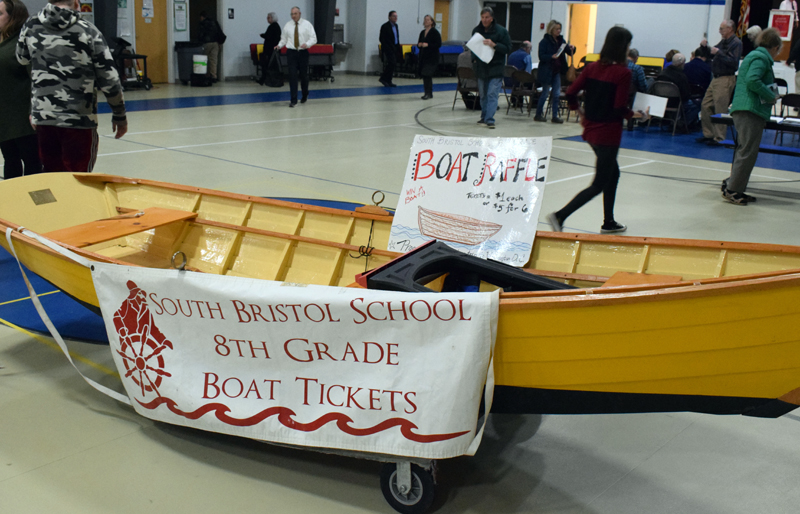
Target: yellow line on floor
x=28 y=297
x=75 y=356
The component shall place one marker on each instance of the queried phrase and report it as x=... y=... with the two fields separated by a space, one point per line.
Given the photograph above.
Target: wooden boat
x=653 y=324
x=454 y=227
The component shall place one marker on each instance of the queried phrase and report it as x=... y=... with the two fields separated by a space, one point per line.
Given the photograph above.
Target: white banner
x=374 y=371
x=481 y=196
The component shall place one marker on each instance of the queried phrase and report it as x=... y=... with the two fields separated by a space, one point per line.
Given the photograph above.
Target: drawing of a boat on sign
x=455 y=228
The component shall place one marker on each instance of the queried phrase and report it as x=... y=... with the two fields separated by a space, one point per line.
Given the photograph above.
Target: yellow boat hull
x=718 y=338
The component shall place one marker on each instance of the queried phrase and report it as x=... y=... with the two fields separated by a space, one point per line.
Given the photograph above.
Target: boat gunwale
x=582 y=297
x=114 y=179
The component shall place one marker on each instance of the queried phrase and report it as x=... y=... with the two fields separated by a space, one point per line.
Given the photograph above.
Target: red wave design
x=285 y=418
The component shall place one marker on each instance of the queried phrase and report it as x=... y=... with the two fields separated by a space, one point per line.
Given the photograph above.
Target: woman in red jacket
x=606 y=84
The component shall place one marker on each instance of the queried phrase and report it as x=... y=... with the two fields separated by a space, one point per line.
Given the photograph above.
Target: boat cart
x=320 y=62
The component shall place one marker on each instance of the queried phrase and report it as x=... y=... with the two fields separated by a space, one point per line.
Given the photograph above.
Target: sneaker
x=538 y=118
x=292 y=104
x=304 y=100
x=734 y=198
x=609 y=228
x=724 y=185
x=558 y=120
x=490 y=125
x=385 y=83
x=750 y=199
x=552 y=219
x=481 y=122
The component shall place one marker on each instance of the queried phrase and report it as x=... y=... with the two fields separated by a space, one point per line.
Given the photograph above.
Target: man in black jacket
x=272 y=36
x=391 y=50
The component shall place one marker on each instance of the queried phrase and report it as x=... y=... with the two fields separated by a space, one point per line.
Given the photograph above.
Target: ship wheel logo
x=141 y=342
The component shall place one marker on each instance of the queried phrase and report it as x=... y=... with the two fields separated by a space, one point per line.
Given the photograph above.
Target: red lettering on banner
x=429 y=153
x=423 y=302
x=401 y=309
x=351 y=396
x=253 y=388
x=348 y=350
x=461 y=311
x=370 y=314
x=389 y=354
x=406 y=396
x=367 y=344
x=328 y=396
x=358 y=311
x=240 y=309
x=212 y=383
x=436 y=311
x=256 y=310
x=391 y=398
x=272 y=387
x=305 y=387
x=289 y=354
x=372 y=399
x=154 y=300
x=322 y=352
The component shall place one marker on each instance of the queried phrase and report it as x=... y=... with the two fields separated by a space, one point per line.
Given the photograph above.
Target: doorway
x=582 y=22
x=441 y=13
x=151 y=39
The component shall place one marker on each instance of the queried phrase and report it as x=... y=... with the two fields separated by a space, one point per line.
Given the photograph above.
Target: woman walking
x=606 y=83
x=751 y=108
x=552 y=62
x=17 y=138
x=429 y=43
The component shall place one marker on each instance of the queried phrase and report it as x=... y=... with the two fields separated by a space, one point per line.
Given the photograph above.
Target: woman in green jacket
x=17 y=138
x=751 y=107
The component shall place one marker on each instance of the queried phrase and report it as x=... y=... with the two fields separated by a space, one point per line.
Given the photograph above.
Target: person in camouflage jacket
x=70 y=61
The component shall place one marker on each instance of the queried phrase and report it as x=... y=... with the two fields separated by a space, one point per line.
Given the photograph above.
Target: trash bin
x=186 y=51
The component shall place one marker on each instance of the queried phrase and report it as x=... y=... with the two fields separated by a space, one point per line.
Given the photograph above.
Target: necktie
x=296 y=36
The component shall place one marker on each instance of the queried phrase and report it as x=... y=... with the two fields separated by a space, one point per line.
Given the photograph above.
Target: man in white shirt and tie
x=298 y=36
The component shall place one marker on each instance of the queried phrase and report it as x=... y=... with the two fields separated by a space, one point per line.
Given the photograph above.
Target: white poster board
x=327 y=367
x=481 y=51
x=481 y=196
x=656 y=104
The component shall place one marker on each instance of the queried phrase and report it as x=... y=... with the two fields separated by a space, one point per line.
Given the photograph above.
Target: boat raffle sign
x=344 y=368
x=481 y=196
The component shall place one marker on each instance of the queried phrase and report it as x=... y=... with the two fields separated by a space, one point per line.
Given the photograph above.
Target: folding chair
x=467 y=83
x=787 y=102
x=508 y=83
x=524 y=86
x=670 y=91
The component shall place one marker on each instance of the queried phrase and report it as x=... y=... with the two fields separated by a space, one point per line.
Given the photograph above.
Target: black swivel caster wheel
x=416 y=500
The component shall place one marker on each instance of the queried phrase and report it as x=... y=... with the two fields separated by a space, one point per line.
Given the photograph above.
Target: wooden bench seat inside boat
x=626 y=278
x=99 y=231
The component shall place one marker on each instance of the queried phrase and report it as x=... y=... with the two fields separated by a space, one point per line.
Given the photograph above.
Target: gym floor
x=66 y=448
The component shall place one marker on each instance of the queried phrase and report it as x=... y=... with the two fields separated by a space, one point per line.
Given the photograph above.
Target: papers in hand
x=657 y=104
x=481 y=51
x=561 y=49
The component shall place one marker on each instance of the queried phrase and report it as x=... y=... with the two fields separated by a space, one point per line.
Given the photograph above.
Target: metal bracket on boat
x=383 y=197
x=182 y=265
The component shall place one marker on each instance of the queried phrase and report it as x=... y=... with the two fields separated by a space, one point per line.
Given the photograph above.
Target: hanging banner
x=326 y=367
x=479 y=195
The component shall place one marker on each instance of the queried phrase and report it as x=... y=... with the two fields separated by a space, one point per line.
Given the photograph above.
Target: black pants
x=605 y=181
x=298 y=65
x=389 y=65
x=427 y=85
x=19 y=151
